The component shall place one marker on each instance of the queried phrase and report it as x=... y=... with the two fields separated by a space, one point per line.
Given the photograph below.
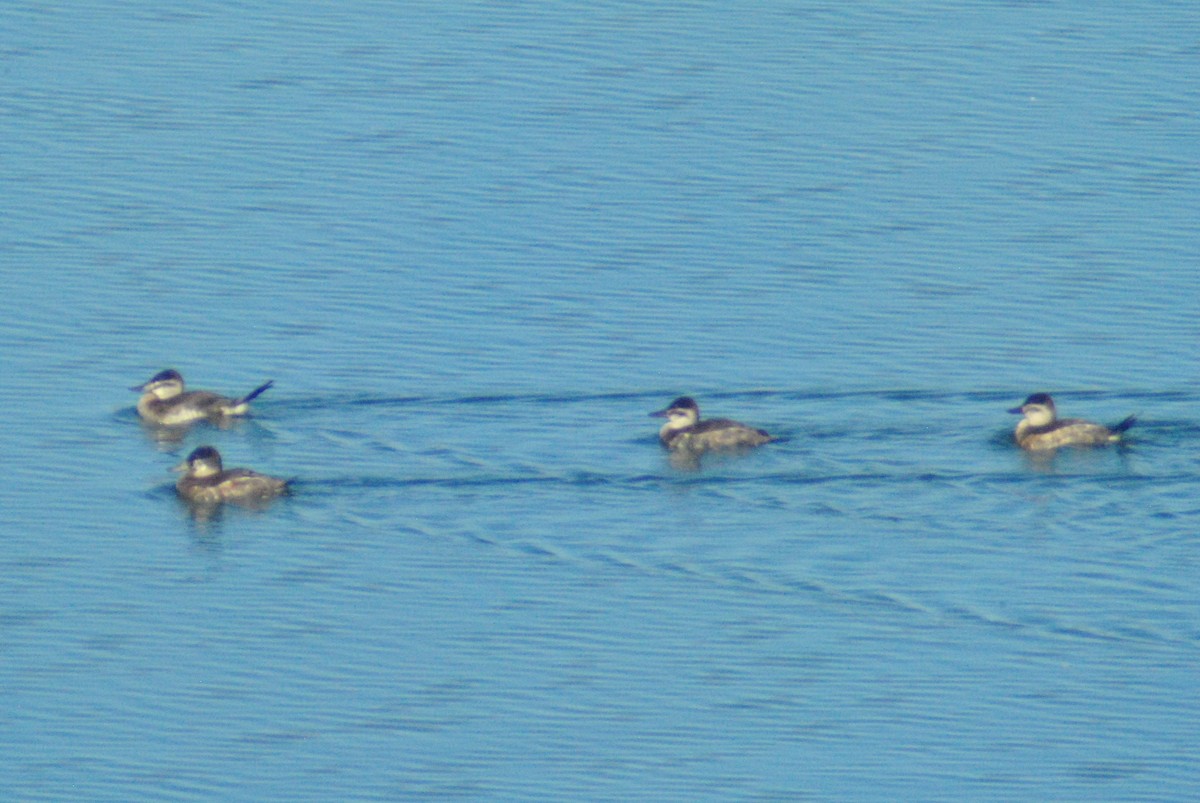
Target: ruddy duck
x=685 y=432
x=1041 y=429
x=164 y=401
x=205 y=483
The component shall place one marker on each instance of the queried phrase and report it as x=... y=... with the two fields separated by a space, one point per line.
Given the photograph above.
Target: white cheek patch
x=680 y=419
x=203 y=468
x=1039 y=416
x=166 y=390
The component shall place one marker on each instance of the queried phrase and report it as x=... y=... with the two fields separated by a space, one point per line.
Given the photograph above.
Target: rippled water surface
x=474 y=245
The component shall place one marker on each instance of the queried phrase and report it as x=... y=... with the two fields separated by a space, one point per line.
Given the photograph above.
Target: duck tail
x=1124 y=425
x=254 y=393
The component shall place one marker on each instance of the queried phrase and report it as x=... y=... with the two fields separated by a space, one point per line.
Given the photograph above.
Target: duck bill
x=660 y=413
x=1017 y=410
x=179 y=468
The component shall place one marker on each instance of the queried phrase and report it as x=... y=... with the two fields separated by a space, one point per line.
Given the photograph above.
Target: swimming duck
x=166 y=403
x=1041 y=429
x=205 y=482
x=684 y=431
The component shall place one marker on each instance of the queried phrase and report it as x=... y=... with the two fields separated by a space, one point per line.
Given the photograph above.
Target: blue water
x=474 y=245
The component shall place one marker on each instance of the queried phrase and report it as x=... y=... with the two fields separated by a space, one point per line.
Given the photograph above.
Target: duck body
x=1041 y=429
x=685 y=431
x=206 y=482
x=166 y=403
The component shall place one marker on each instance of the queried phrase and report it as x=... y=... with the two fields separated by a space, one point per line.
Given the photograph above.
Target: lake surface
x=474 y=245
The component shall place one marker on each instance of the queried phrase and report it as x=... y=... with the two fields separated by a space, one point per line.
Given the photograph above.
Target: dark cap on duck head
x=682 y=403
x=1037 y=398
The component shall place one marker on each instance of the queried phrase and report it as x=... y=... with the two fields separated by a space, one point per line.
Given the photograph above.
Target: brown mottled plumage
x=205 y=482
x=685 y=432
x=1041 y=429
x=166 y=403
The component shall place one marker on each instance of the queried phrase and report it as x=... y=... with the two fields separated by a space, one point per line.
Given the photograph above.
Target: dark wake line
x=651 y=481
x=999 y=396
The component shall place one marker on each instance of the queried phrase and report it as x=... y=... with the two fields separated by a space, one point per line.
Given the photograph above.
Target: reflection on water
x=1073 y=459
x=169 y=438
x=206 y=511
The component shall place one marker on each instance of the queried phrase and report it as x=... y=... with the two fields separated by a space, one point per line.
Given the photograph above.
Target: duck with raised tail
x=1041 y=429
x=165 y=402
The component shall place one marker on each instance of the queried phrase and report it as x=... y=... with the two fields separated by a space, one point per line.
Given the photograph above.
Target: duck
x=164 y=401
x=684 y=430
x=1041 y=429
x=206 y=482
